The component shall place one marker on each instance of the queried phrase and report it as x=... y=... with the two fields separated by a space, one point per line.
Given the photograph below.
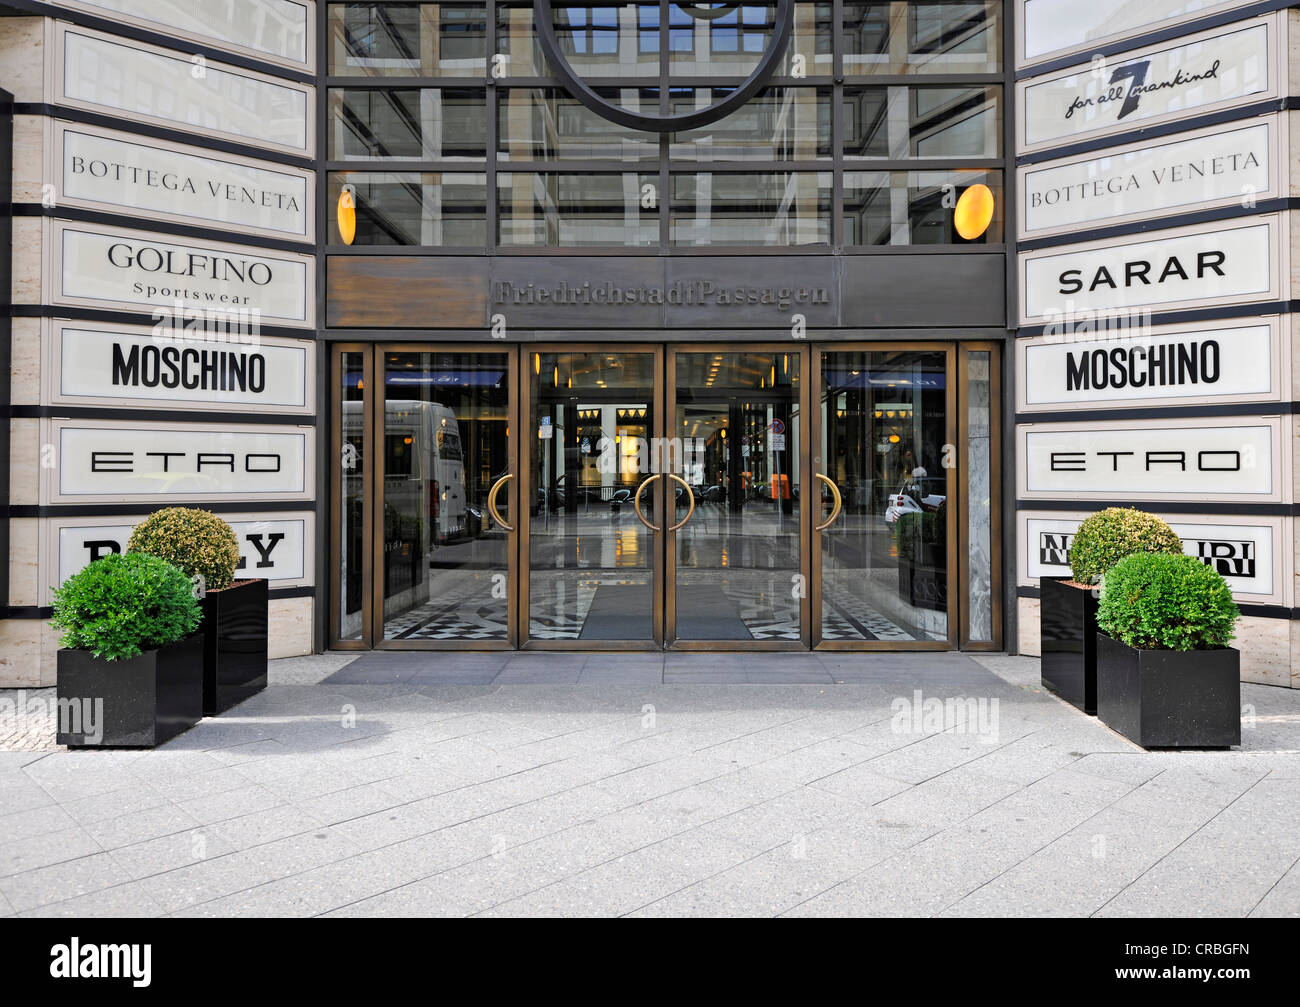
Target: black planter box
x=923 y=581
x=1170 y=698
x=234 y=645
x=145 y=700
x=1068 y=639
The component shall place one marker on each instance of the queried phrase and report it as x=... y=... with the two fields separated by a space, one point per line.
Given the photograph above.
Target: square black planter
x=137 y=703
x=1170 y=698
x=234 y=645
x=1068 y=639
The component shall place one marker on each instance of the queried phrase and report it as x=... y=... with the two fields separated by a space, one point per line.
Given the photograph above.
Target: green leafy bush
x=196 y=541
x=916 y=530
x=1106 y=537
x=119 y=606
x=1157 y=601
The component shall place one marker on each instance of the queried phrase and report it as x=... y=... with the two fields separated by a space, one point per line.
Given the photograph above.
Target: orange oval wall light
x=974 y=212
x=347 y=215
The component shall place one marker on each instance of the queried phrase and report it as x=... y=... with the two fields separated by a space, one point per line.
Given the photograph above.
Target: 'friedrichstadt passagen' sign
x=180 y=183
x=133 y=461
x=139 y=367
x=1217 y=264
x=134 y=269
x=1221 y=166
x=1221 y=362
x=1155 y=460
x=1212 y=70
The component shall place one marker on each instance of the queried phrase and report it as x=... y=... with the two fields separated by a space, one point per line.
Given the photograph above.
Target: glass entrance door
x=736 y=545
x=888 y=472
x=442 y=514
x=592 y=552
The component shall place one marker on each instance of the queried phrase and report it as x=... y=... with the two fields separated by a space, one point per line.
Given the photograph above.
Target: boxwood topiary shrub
x=196 y=541
x=1105 y=538
x=1158 y=601
x=120 y=606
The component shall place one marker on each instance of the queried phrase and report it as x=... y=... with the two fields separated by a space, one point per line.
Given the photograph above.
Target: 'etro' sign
x=1199 y=74
x=135 y=461
x=1173 y=459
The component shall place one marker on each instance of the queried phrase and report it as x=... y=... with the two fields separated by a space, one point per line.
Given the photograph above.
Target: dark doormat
x=620 y=612
x=704 y=612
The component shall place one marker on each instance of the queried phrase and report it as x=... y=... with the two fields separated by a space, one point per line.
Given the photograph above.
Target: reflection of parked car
x=620 y=497
x=715 y=494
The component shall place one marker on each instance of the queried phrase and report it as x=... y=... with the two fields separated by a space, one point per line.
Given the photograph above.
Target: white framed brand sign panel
x=1245 y=260
x=1121 y=461
x=126 y=462
x=1231 y=165
x=167 y=87
x=279 y=31
x=279 y=547
x=1232 y=361
x=1250 y=552
x=98 y=363
x=102 y=169
x=91 y=265
x=1233 y=65
x=1049 y=29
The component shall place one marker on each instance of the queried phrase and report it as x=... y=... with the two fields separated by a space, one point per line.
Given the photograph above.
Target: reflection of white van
x=424 y=468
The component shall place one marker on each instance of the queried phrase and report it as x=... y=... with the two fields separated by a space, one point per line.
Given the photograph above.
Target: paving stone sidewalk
x=651 y=786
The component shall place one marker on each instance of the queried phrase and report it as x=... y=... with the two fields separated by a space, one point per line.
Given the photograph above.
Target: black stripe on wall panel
x=1247 y=608
x=46 y=612
x=1161 y=129
x=1161 y=224
x=1161 y=412
x=182 y=45
x=171 y=227
x=1154 y=37
x=1210 y=314
x=210 y=414
x=1208 y=508
x=173 y=134
x=117 y=509
x=138 y=318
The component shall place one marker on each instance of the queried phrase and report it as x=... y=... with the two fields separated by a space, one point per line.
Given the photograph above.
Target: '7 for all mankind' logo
x=1135 y=74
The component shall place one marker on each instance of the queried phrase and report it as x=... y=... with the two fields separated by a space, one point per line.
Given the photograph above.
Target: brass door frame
x=801 y=402
x=953 y=484
x=374 y=491
x=526 y=490
x=336 y=486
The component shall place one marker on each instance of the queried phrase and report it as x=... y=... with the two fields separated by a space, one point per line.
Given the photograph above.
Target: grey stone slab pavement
x=680 y=784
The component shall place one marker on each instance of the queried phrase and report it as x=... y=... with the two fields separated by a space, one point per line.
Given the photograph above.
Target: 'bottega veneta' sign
x=113 y=171
x=1215 y=167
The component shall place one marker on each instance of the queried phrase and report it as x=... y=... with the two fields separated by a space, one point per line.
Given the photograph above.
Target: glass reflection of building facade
x=439 y=157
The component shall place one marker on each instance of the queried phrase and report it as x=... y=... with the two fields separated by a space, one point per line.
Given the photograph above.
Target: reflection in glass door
x=443 y=461
x=591 y=549
x=886 y=454
x=736 y=573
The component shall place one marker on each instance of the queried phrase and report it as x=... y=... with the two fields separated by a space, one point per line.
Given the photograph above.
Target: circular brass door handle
x=690 y=496
x=836 y=503
x=636 y=503
x=492 y=501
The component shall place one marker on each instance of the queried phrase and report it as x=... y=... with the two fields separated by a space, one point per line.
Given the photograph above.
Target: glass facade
x=500 y=156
